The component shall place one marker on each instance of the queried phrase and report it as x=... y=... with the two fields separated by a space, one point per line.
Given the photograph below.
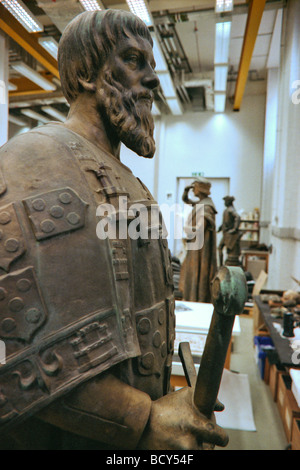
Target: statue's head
x=228 y=200
x=201 y=186
x=109 y=54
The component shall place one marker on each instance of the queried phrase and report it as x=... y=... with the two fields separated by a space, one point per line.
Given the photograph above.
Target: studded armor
x=73 y=305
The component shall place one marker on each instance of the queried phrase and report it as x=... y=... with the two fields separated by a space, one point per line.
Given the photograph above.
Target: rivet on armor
x=8 y=325
x=161 y=316
x=57 y=212
x=23 y=285
x=163 y=349
x=16 y=304
x=47 y=226
x=38 y=204
x=21 y=302
x=144 y=326
x=156 y=340
x=5 y=217
x=148 y=360
x=12 y=245
x=73 y=218
x=33 y=315
x=3 y=293
x=65 y=198
x=66 y=213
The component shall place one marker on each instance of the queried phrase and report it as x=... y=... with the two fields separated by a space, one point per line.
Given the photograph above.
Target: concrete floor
x=269 y=434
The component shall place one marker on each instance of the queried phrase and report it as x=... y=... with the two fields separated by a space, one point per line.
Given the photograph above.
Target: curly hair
x=88 y=40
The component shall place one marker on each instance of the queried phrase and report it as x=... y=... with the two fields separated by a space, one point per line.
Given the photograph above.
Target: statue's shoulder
x=44 y=143
x=35 y=139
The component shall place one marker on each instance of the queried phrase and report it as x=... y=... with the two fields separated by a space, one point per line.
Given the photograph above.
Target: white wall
x=271 y=124
x=285 y=229
x=219 y=145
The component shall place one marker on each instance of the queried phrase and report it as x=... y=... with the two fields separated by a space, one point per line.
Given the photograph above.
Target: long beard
x=129 y=114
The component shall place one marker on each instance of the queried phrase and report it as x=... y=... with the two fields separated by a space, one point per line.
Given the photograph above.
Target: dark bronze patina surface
x=200 y=265
x=231 y=234
x=89 y=322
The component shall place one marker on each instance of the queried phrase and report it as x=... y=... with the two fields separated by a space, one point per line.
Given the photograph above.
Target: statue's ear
x=88 y=86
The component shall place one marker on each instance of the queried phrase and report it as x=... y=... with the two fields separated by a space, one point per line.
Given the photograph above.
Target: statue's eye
x=133 y=59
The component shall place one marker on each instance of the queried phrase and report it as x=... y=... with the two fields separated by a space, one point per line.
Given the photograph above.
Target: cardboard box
x=290 y=410
x=284 y=386
x=275 y=371
x=267 y=371
x=295 y=435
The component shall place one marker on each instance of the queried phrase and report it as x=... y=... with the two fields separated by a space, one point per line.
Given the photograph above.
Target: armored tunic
x=73 y=304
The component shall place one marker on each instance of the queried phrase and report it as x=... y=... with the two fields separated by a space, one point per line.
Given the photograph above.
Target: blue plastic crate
x=263 y=344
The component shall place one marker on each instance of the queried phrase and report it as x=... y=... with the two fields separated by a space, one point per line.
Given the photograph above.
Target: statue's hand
x=175 y=424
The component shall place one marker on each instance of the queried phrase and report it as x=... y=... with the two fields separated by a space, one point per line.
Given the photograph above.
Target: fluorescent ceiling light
x=220 y=102
x=223 y=5
x=51 y=46
x=159 y=58
x=54 y=113
x=23 y=15
x=91 y=5
x=221 y=72
x=12 y=86
x=16 y=120
x=34 y=115
x=167 y=85
x=32 y=75
x=174 y=106
x=222 y=39
x=140 y=9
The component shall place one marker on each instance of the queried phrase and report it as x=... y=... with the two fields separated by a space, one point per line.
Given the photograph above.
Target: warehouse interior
x=227 y=109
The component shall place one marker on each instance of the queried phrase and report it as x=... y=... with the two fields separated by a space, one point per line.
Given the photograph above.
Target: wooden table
x=192 y=325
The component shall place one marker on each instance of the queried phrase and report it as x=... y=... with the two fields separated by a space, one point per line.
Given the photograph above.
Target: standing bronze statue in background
x=231 y=234
x=200 y=265
x=88 y=322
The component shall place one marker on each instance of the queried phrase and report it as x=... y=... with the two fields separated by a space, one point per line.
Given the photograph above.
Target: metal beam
x=27 y=87
x=256 y=9
x=27 y=41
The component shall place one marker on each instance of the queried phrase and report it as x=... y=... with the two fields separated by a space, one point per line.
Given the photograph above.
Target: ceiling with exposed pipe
x=186 y=32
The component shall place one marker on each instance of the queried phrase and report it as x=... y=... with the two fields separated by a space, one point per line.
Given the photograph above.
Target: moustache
x=143 y=96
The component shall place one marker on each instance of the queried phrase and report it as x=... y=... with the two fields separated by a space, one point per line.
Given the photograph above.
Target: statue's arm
x=104 y=409
x=185 y=196
x=112 y=412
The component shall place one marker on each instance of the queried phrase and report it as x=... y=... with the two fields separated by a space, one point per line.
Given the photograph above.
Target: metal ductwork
x=61 y=12
x=199 y=89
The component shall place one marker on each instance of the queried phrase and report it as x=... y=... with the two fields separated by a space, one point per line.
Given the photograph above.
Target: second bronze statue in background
x=200 y=265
